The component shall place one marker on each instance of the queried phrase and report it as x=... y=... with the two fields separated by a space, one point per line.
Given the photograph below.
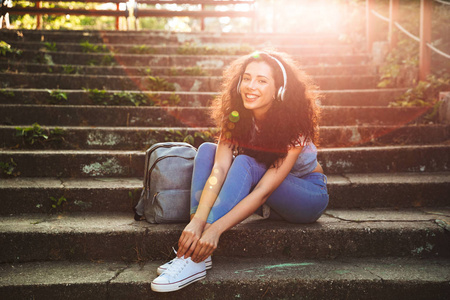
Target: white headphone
x=282 y=89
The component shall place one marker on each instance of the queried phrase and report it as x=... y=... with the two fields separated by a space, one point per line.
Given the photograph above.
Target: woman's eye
x=245 y=79
x=262 y=81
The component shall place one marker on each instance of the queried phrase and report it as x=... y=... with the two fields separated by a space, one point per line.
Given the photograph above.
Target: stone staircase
x=68 y=185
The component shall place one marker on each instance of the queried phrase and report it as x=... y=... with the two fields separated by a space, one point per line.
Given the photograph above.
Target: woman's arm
x=192 y=233
x=268 y=183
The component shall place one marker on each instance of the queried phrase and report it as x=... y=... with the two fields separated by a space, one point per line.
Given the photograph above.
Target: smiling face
x=258 y=88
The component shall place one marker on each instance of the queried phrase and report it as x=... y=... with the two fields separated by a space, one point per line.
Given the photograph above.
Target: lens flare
x=234 y=116
x=212 y=180
x=231 y=126
x=255 y=55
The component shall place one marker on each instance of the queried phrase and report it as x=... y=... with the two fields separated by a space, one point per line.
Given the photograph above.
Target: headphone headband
x=282 y=89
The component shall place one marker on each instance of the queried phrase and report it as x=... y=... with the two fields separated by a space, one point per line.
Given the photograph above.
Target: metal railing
x=425 y=43
x=136 y=9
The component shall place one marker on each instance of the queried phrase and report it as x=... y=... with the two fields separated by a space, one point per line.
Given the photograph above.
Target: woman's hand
x=190 y=236
x=206 y=245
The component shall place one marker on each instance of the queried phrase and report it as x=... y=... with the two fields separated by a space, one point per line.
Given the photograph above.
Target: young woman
x=265 y=155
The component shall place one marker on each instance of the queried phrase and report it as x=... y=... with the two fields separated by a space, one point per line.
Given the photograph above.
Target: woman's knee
x=206 y=151
x=244 y=160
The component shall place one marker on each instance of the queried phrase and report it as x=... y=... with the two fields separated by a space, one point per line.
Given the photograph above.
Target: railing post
x=370 y=23
x=425 y=37
x=203 y=19
x=38 y=17
x=393 y=17
x=117 y=18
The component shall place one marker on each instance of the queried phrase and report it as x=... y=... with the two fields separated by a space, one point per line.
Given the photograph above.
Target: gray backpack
x=167 y=183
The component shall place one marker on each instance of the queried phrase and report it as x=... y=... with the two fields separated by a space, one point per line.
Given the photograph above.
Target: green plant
x=194 y=49
x=6 y=93
x=125 y=98
x=37 y=134
x=107 y=60
x=425 y=93
x=142 y=49
x=404 y=58
x=57 y=97
x=87 y=47
x=174 y=99
x=57 y=203
x=194 y=139
x=156 y=83
x=8 y=168
x=97 y=96
x=6 y=48
x=195 y=71
x=45 y=59
x=50 y=46
x=69 y=69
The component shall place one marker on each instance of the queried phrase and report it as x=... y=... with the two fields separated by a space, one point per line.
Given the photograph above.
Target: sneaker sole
x=208 y=265
x=171 y=287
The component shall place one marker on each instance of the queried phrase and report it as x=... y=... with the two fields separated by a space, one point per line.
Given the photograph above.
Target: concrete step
x=126 y=116
x=11 y=66
x=180 y=83
x=347 y=191
x=169 y=38
x=104 y=163
x=217 y=61
x=366 y=97
x=141 y=138
x=245 y=278
x=187 y=48
x=116 y=236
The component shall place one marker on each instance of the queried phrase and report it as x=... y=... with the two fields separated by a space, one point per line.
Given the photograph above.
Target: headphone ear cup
x=280 y=95
x=238 y=89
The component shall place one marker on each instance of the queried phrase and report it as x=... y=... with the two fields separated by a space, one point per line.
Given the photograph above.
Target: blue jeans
x=297 y=200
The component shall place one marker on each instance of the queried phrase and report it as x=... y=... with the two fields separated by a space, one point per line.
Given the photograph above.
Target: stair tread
x=136 y=182
x=235 y=270
x=128 y=152
x=119 y=222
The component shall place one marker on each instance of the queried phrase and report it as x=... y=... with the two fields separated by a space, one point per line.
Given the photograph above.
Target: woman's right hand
x=190 y=236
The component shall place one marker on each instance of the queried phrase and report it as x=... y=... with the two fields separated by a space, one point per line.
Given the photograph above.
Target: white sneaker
x=162 y=268
x=180 y=273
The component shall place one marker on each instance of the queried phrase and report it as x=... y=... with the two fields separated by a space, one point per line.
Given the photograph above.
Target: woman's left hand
x=206 y=245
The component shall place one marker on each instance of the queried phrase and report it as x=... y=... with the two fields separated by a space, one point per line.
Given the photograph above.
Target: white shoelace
x=175 y=267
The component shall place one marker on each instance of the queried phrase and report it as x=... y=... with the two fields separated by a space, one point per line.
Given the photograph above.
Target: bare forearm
x=210 y=193
x=241 y=211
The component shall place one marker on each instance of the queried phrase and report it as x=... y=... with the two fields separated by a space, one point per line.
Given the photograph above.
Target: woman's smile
x=258 y=88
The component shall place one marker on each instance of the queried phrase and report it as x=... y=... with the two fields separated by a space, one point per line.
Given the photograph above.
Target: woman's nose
x=251 y=85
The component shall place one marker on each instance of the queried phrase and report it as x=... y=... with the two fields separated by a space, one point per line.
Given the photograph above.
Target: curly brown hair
x=297 y=115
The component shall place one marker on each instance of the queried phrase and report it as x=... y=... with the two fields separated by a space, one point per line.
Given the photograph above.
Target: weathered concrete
x=370 y=97
x=175 y=49
x=235 y=278
x=376 y=233
x=138 y=138
x=366 y=97
x=98 y=163
x=183 y=83
x=161 y=37
x=81 y=97
x=76 y=115
x=11 y=66
x=395 y=190
x=76 y=58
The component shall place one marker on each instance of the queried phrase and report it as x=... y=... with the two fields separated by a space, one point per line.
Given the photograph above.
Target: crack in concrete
x=378 y=221
x=347 y=178
x=63 y=185
x=118 y=272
